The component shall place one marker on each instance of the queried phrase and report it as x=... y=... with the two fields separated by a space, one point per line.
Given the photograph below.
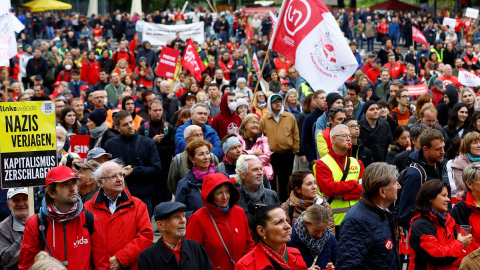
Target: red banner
x=192 y=62
x=79 y=144
x=167 y=62
x=418 y=36
x=417 y=90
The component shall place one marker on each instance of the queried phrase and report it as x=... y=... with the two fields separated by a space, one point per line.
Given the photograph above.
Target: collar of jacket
x=125 y=199
x=167 y=255
x=374 y=207
x=129 y=138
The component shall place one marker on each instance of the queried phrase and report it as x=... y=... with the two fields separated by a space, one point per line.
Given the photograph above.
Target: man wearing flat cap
x=172 y=251
x=98 y=154
x=87 y=186
x=63 y=225
x=11 y=229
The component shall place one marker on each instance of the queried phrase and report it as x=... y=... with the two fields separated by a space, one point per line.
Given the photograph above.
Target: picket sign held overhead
x=159 y=34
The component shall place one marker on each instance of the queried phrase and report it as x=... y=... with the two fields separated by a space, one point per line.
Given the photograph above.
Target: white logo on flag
x=294 y=17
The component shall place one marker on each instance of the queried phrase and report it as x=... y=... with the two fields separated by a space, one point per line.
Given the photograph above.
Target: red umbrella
x=394 y=5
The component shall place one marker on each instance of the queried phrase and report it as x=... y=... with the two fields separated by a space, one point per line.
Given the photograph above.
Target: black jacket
x=393 y=151
x=37 y=67
x=307 y=142
x=269 y=197
x=402 y=160
x=444 y=108
x=152 y=58
x=106 y=136
x=377 y=140
x=166 y=147
x=159 y=256
x=170 y=106
x=146 y=164
x=359 y=151
x=107 y=63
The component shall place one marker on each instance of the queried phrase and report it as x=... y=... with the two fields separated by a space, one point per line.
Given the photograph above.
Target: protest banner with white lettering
x=471 y=13
x=28 y=144
x=159 y=34
x=450 y=22
x=79 y=144
x=417 y=90
x=167 y=62
x=468 y=79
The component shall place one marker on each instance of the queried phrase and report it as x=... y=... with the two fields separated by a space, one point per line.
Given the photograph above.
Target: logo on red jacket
x=81 y=241
x=296 y=16
x=389 y=244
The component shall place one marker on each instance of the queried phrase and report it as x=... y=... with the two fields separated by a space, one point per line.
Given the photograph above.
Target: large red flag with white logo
x=308 y=35
x=192 y=62
x=418 y=36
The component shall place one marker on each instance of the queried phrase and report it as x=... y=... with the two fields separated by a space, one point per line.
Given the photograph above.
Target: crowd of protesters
x=239 y=177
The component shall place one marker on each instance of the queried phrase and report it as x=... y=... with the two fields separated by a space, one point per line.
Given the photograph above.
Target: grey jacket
x=11 y=235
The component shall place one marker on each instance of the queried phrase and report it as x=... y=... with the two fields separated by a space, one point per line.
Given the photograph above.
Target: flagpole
x=175 y=76
x=261 y=70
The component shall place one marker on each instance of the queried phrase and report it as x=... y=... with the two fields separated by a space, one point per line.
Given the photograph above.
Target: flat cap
x=165 y=210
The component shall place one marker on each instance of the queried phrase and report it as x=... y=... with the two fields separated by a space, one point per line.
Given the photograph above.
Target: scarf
x=293 y=110
x=297 y=202
x=280 y=258
x=256 y=195
x=224 y=208
x=315 y=246
x=62 y=217
x=440 y=216
x=262 y=105
x=199 y=175
x=472 y=159
x=97 y=134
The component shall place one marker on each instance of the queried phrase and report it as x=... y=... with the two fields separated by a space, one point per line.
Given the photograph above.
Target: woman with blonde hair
x=44 y=262
x=122 y=68
x=291 y=103
x=467 y=96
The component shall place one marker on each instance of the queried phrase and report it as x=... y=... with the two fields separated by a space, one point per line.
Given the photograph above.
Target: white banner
x=450 y=22
x=9 y=24
x=159 y=34
x=468 y=79
x=471 y=13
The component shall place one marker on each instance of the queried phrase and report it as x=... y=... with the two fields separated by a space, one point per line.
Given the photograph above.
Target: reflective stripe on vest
x=339 y=206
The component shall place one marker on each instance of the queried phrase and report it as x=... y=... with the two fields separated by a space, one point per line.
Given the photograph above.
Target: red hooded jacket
x=226 y=122
x=232 y=224
x=466 y=212
x=69 y=241
x=128 y=231
x=90 y=71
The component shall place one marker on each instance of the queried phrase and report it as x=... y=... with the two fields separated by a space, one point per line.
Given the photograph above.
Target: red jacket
x=125 y=55
x=382 y=28
x=128 y=231
x=466 y=212
x=90 y=71
x=282 y=65
x=81 y=249
x=395 y=71
x=258 y=260
x=232 y=224
x=429 y=241
x=350 y=189
x=373 y=74
x=64 y=75
x=225 y=67
x=226 y=122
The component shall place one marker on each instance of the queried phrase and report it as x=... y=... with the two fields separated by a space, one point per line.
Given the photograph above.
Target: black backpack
x=401 y=176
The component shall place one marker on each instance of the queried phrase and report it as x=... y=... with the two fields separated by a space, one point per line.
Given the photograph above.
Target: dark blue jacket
x=146 y=165
x=367 y=239
x=308 y=140
x=411 y=182
x=393 y=29
x=328 y=254
x=208 y=133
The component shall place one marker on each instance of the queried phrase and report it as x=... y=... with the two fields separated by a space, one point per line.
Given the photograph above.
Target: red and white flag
x=192 y=62
x=468 y=79
x=308 y=35
x=273 y=18
x=255 y=63
x=418 y=36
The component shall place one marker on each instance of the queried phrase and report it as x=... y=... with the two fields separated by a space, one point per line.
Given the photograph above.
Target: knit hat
x=331 y=98
x=142 y=58
x=241 y=102
x=367 y=105
x=98 y=116
x=229 y=143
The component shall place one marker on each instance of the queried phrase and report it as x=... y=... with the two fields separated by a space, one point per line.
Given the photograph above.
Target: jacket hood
x=211 y=182
x=224 y=106
x=452 y=96
x=269 y=105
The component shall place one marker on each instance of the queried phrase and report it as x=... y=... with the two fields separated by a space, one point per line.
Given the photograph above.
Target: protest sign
x=417 y=90
x=28 y=144
x=159 y=34
x=167 y=62
x=468 y=79
x=471 y=13
x=450 y=22
x=79 y=144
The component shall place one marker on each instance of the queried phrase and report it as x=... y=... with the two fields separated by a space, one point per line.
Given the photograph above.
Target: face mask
x=60 y=146
x=232 y=106
x=68 y=67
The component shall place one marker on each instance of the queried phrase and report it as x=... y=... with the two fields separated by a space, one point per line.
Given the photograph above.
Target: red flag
x=192 y=62
x=167 y=62
x=308 y=35
x=248 y=31
x=418 y=36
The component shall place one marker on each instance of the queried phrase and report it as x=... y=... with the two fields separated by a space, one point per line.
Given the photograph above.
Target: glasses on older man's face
x=344 y=136
x=114 y=177
x=196 y=135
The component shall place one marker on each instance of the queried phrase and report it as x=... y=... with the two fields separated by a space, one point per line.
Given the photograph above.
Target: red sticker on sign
x=389 y=244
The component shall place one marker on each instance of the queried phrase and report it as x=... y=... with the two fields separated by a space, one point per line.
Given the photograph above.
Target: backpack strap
x=344 y=177
x=290 y=213
x=421 y=170
x=89 y=221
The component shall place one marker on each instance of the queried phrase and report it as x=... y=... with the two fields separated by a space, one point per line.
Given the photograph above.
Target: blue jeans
x=394 y=40
x=370 y=41
x=50 y=32
x=360 y=42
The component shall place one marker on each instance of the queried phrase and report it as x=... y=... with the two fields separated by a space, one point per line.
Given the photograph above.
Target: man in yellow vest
x=339 y=176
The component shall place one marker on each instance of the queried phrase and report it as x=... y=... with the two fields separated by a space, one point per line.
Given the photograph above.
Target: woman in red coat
x=220 y=197
x=91 y=69
x=270 y=225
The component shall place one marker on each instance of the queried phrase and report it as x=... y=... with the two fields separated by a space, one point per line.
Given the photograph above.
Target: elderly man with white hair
x=124 y=218
x=178 y=165
x=62 y=145
x=250 y=184
x=11 y=229
x=169 y=100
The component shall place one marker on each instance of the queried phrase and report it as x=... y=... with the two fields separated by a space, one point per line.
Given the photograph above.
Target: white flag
x=468 y=79
x=9 y=24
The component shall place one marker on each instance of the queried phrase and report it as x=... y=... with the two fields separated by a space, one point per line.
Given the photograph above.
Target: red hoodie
x=226 y=122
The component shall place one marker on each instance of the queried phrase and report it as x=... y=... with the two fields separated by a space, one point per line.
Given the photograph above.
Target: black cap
x=38 y=77
x=165 y=210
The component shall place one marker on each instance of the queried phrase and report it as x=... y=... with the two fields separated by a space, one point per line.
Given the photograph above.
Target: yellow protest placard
x=28 y=142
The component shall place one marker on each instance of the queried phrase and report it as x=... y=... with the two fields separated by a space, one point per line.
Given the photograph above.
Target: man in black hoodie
x=36 y=66
x=145 y=51
x=308 y=140
x=450 y=98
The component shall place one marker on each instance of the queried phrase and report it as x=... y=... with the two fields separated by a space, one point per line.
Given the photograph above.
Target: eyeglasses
x=344 y=136
x=197 y=135
x=114 y=176
x=354 y=126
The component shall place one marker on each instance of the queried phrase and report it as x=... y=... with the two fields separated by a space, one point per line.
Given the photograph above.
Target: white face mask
x=232 y=106
x=68 y=67
x=60 y=146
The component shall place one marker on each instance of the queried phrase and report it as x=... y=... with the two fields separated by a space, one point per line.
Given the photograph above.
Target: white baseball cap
x=14 y=191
